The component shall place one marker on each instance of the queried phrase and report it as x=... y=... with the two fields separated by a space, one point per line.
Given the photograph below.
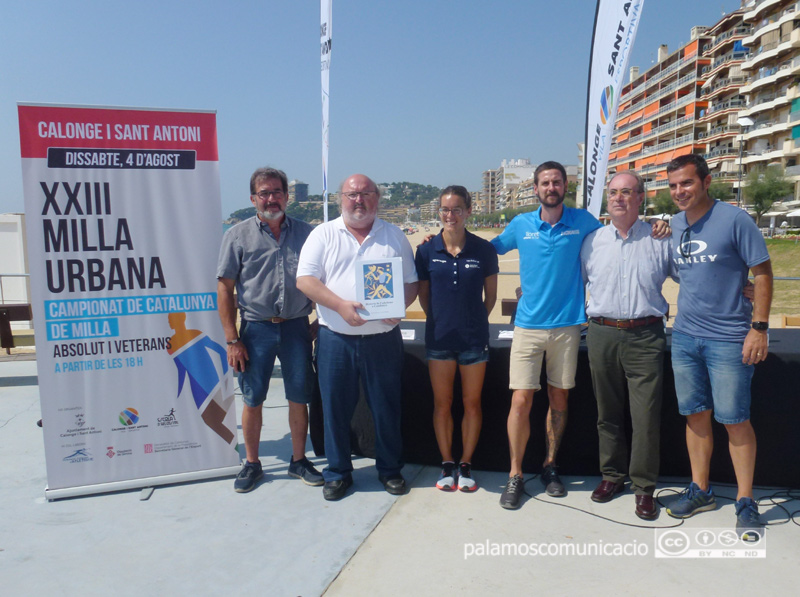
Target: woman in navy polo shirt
x=457 y=289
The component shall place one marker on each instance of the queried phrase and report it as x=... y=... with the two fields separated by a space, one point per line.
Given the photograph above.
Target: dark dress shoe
x=335 y=490
x=606 y=491
x=394 y=484
x=646 y=508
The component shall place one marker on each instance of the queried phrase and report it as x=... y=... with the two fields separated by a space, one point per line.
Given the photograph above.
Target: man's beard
x=550 y=201
x=270 y=215
x=358 y=218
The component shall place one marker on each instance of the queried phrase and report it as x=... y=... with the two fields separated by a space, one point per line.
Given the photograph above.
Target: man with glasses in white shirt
x=624 y=268
x=351 y=350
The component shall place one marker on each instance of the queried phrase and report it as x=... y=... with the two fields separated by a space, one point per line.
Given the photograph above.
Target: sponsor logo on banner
x=79 y=426
x=606 y=103
x=81 y=455
x=110 y=452
x=175 y=446
x=148 y=448
x=129 y=417
x=168 y=420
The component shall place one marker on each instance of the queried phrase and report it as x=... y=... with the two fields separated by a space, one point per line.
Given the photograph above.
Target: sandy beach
x=509 y=277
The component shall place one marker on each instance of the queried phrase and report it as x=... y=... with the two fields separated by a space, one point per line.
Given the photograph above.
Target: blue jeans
x=464 y=357
x=376 y=361
x=710 y=374
x=290 y=341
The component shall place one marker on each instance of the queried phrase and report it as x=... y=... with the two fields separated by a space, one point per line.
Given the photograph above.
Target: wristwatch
x=761 y=326
x=231 y=342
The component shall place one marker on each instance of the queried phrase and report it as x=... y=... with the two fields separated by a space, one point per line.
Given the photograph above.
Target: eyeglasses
x=626 y=193
x=363 y=194
x=685 y=246
x=266 y=194
x=456 y=211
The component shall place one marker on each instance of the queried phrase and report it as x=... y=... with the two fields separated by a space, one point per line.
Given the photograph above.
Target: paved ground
x=284 y=539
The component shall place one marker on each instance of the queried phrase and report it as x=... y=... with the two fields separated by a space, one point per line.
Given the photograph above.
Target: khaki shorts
x=527 y=351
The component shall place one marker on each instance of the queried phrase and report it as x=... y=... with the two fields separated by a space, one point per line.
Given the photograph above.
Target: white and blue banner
x=123 y=217
x=616 y=22
x=325 y=23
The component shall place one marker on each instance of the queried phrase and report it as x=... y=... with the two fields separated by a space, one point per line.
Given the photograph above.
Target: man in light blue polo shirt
x=548 y=319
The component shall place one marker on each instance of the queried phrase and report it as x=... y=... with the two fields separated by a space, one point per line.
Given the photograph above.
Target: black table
x=774 y=413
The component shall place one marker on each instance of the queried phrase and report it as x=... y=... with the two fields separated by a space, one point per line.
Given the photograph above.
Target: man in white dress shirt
x=624 y=268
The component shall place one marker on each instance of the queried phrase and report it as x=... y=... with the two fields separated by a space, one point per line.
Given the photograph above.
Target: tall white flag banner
x=616 y=22
x=325 y=15
x=122 y=209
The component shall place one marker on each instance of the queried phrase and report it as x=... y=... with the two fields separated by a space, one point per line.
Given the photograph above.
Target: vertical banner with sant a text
x=325 y=16
x=123 y=217
x=616 y=22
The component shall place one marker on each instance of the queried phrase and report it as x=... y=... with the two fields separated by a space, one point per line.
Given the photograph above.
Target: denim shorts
x=464 y=357
x=709 y=374
x=290 y=341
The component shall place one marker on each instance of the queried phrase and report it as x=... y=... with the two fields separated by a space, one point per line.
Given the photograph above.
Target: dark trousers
x=631 y=359
x=377 y=362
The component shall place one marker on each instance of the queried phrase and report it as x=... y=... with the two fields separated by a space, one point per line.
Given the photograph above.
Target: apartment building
x=720 y=125
x=523 y=195
x=659 y=112
x=772 y=136
x=486 y=204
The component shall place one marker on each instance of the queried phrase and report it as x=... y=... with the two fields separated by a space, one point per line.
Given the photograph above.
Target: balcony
x=720 y=63
x=723 y=84
x=760 y=7
x=767 y=102
x=767 y=154
x=771 y=23
x=720 y=152
x=740 y=31
x=767 y=76
x=657 y=77
x=772 y=50
x=664 y=128
x=716 y=109
x=769 y=127
x=665 y=91
x=727 y=130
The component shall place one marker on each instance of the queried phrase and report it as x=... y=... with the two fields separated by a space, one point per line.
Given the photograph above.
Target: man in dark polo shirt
x=258 y=258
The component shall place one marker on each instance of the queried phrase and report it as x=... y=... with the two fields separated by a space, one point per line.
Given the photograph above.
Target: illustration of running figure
x=190 y=349
x=377 y=278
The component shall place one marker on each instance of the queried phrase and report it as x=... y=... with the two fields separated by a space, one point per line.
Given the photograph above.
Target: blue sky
x=429 y=91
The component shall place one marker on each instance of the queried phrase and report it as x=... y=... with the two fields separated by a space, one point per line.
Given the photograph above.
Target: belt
x=277 y=320
x=626 y=324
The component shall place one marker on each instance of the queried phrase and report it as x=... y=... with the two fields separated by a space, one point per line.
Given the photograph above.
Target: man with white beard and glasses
x=350 y=348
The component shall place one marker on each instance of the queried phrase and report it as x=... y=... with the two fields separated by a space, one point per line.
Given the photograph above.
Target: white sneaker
x=447 y=480
x=465 y=480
